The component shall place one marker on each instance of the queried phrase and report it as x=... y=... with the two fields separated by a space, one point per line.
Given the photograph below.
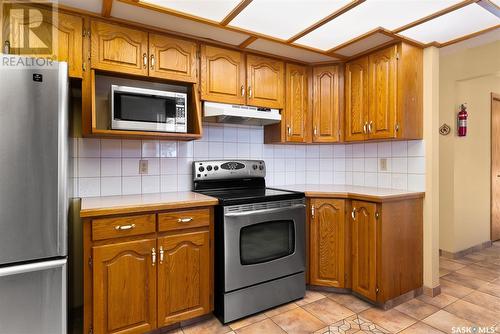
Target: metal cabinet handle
x=289 y=130
x=353 y=214
x=124 y=227
x=370 y=127
x=153 y=257
x=185 y=220
x=312 y=212
x=162 y=252
x=364 y=127
x=250 y=92
x=242 y=91
x=152 y=62
x=315 y=131
x=145 y=60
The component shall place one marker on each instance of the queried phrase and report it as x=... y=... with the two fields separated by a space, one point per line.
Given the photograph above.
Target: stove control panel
x=228 y=169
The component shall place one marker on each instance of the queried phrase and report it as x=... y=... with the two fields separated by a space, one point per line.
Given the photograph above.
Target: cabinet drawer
x=183 y=219
x=118 y=227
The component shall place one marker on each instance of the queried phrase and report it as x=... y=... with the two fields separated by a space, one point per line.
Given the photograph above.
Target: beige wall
x=466 y=76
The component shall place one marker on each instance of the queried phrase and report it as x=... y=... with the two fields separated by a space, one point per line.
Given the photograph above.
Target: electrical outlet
x=143 y=166
x=383 y=164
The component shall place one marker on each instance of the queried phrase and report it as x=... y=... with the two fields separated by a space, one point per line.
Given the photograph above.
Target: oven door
x=263 y=241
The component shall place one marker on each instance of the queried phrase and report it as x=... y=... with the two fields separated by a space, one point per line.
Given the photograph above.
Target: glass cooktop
x=251 y=195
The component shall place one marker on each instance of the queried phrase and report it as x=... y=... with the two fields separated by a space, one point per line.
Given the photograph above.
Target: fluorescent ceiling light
x=463 y=21
x=284 y=19
x=389 y=14
x=214 y=10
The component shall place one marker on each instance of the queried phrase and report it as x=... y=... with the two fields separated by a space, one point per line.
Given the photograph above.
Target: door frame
x=494 y=96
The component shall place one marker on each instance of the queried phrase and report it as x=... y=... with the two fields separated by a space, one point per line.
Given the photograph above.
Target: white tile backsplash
x=105 y=167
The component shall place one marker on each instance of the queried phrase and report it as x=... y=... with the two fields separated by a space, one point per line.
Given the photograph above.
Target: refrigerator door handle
x=37 y=266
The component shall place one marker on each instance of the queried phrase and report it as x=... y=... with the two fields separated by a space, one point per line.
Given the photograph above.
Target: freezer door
x=33 y=169
x=33 y=298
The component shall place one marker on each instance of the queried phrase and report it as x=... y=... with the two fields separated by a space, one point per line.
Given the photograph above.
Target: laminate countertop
x=111 y=205
x=353 y=192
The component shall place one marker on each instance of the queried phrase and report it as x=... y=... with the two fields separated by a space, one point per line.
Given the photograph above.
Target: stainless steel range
x=259 y=238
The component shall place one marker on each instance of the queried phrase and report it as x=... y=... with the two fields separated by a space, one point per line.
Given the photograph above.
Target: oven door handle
x=272 y=210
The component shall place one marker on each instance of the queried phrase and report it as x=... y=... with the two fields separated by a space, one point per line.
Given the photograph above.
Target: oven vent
x=264 y=205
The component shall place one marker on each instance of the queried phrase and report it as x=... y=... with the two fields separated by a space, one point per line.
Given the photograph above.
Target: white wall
x=111 y=167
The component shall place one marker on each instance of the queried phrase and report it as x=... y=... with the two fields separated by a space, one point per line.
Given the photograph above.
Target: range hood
x=236 y=114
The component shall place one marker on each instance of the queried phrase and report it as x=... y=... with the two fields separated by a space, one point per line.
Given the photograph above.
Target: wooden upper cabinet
x=124 y=299
x=356 y=99
x=119 y=49
x=183 y=277
x=364 y=249
x=296 y=106
x=382 y=85
x=327 y=243
x=265 y=82
x=326 y=104
x=172 y=58
x=222 y=75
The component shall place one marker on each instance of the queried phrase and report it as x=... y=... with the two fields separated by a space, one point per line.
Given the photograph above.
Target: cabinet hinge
x=377 y=214
x=90 y=261
x=397 y=55
x=91 y=330
x=84 y=66
x=396 y=127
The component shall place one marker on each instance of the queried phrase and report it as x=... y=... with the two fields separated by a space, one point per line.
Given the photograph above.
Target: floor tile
x=467 y=281
x=473 y=313
x=328 y=311
x=475 y=257
x=420 y=328
x=439 y=301
x=280 y=309
x=392 y=320
x=351 y=302
x=443 y=272
x=298 y=321
x=454 y=289
x=483 y=299
x=311 y=296
x=212 y=326
x=266 y=326
x=445 y=321
x=449 y=264
x=490 y=264
x=247 y=321
x=417 y=309
x=491 y=288
x=478 y=272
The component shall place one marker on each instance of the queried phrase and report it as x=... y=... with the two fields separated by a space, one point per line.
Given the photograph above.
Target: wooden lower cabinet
x=183 y=277
x=327 y=243
x=364 y=249
x=124 y=295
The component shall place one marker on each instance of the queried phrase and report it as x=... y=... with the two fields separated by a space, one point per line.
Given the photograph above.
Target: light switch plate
x=383 y=164
x=143 y=166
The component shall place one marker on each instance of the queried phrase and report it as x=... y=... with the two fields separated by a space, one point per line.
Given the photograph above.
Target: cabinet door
x=296 y=107
x=327 y=255
x=222 y=75
x=124 y=285
x=172 y=58
x=265 y=82
x=364 y=247
x=119 y=49
x=326 y=115
x=382 y=85
x=356 y=99
x=64 y=32
x=183 y=277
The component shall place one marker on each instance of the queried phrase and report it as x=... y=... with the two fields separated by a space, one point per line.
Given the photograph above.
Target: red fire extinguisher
x=462 y=121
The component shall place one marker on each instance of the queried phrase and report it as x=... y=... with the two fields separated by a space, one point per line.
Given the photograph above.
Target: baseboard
x=328 y=289
x=391 y=303
x=432 y=292
x=464 y=252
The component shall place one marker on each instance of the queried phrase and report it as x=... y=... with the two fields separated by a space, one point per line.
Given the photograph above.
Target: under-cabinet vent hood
x=236 y=114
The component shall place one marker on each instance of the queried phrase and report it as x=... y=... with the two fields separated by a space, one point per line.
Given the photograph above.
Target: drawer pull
x=185 y=220
x=124 y=227
x=153 y=257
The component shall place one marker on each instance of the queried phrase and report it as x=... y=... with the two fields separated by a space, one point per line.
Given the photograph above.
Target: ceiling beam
x=247 y=42
x=434 y=15
x=490 y=6
x=106 y=7
x=238 y=9
x=325 y=20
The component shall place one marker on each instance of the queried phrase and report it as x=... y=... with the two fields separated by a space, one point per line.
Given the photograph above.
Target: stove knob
x=255 y=167
x=216 y=167
x=201 y=169
x=209 y=168
x=261 y=167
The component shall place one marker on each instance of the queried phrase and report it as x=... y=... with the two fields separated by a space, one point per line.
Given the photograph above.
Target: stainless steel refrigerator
x=33 y=196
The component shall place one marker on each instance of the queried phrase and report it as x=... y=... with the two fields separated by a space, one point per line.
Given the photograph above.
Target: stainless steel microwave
x=142 y=109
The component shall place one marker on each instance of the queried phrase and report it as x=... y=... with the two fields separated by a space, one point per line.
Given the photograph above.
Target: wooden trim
x=494 y=96
x=464 y=252
x=465 y=37
x=434 y=15
x=325 y=20
x=107 y=5
x=247 y=42
x=432 y=292
x=238 y=9
x=490 y=6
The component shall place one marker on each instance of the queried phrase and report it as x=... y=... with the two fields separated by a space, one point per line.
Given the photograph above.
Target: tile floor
x=470 y=298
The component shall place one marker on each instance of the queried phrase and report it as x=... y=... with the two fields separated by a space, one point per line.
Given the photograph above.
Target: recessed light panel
x=389 y=14
x=463 y=21
x=284 y=19
x=214 y=10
